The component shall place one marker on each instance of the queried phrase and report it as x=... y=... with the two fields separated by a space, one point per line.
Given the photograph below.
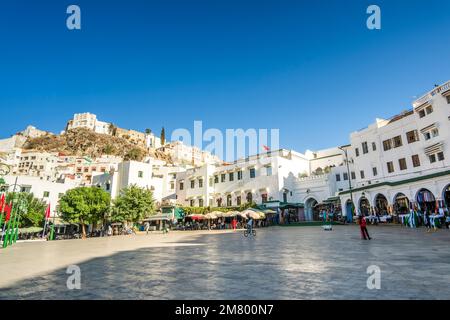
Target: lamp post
x=349 y=176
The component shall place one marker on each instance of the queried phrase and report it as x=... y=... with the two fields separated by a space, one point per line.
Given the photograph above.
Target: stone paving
x=280 y=263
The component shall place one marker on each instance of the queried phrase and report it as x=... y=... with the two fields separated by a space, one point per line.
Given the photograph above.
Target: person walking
x=363 y=228
x=234 y=223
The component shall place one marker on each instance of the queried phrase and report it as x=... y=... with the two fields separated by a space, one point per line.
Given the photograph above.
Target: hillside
x=83 y=142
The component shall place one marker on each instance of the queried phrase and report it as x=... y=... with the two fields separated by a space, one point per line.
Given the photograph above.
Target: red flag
x=8 y=212
x=47 y=212
x=2 y=203
x=266 y=148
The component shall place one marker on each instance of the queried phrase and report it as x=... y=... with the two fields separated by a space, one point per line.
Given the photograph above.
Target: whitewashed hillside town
x=387 y=167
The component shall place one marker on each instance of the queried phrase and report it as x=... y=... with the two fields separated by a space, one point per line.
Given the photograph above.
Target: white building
x=33 y=132
x=261 y=178
x=37 y=164
x=88 y=121
x=151 y=175
x=183 y=154
x=403 y=160
x=48 y=191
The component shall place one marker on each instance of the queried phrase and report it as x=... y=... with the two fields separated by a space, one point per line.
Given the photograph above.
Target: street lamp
x=348 y=174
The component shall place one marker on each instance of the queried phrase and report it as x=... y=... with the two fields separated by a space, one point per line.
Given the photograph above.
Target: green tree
x=84 y=205
x=134 y=154
x=34 y=208
x=148 y=131
x=133 y=204
x=163 y=136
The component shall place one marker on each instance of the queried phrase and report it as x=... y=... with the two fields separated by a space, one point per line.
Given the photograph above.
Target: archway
x=310 y=204
x=425 y=199
x=381 y=204
x=401 y=204
x=364 y=206
x=446 y=196
x=249 y=197
x=349 y=210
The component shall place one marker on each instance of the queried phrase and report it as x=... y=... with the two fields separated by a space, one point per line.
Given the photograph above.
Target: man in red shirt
x=363 y=227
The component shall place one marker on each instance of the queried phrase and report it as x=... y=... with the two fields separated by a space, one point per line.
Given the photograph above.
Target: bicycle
x=247 y=233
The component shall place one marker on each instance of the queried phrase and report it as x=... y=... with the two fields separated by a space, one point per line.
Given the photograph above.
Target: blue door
x=349 y=212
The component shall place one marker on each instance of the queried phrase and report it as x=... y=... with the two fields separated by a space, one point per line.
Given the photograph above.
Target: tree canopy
x=84 y=205
x=133 y=204
x=33 y=209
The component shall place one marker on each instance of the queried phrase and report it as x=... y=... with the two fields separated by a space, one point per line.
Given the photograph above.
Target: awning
x=159 y=217
x=438 y=147
x=428 y=128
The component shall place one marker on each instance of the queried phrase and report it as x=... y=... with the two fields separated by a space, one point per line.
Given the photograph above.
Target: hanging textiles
x=425 y=196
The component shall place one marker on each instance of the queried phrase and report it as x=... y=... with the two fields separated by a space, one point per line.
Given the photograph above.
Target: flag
x=2 y=203
x=7 y=210
x=47 y=212
x=266 y=148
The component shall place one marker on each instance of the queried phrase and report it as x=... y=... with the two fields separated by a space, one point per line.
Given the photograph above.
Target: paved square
x=280 y=263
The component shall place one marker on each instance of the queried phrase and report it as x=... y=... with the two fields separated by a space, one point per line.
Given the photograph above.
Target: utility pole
x=349 y=176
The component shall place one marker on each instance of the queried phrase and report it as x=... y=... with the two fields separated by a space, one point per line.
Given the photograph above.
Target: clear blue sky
x=310 y=68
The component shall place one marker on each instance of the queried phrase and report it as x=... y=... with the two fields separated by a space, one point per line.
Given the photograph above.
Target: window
x=440 y=156
x=397 y=141
x=429 y=109
x=181 y=185
x=353 y=175
x=415 y=160
x=374 y=171
x=238 y=200
x=357 y=152
x=402 y=163
x=387 y=145
x=192 y=202
x=249 y=197
x=269 y=171
x=222 y=177
x=252 y=173
x=345 y=176
x=362 y=174
x=200 y=183
x=211 y=181
x=434 y=132
x=412 y=136
x=374 y=146
x=239 y=173
x=422 y=113
x=200 y=202
x=94 y=169
x=216 y=179
x=264 y=197
x=86 y=169
x=390 y=166
x=431 y=134
x=231 y=176
x=448 y=99
x=229 y=204
x=140 y=174
x=46 y=194
x=108 y=186
x=432 y=158
x=192 y=184
x=365 y=147
x=338 y=177
x=172 y=185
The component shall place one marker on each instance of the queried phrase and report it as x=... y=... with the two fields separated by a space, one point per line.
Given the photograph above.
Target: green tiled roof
x=398 y=183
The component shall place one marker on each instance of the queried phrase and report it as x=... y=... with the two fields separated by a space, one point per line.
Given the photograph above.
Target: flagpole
x=6 y=238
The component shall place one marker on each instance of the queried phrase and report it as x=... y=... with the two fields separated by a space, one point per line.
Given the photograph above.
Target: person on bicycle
x=250 y=226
